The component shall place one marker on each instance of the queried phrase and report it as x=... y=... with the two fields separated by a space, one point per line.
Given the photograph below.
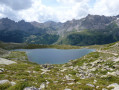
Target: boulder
x=44 y=65
x=68 y=77
x=91 y=85
x=12 y=83
x=71 y=83
x=31 y=88
x=90 y=75
x=42 y=86
x=115 y=85
x=95 y=81
x=67 y=89
x=5 y=61
x=4 y=81
x=93 y=69
x=2 y=70
x=116 y=73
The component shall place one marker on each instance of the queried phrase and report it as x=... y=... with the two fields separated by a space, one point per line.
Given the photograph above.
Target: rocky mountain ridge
x=90 y=22
x=35 y=32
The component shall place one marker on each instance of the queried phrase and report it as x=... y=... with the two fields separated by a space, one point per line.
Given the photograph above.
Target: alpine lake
x=54 y=56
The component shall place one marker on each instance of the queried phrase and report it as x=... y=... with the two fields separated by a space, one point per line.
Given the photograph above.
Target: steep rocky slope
x=40 y=33
x=90 y=22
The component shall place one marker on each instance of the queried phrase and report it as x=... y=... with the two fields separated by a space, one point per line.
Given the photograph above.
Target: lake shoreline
x=54 y=56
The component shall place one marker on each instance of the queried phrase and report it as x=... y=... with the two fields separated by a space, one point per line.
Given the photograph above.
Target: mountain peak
x=6 y=20
x=22 y=21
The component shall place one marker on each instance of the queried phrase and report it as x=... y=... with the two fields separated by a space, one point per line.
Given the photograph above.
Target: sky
x=56 y=10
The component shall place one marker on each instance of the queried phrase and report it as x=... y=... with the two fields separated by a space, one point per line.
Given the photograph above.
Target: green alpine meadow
x=97 y=70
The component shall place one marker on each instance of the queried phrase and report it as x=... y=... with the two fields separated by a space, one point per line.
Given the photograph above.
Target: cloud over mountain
x=58 y=10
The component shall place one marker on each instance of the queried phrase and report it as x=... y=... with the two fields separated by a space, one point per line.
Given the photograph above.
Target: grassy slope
x=88 y=37
x=25 y=73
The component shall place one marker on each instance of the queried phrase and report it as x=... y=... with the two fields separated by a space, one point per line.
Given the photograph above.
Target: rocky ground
x=98 y=70
x=6 y=62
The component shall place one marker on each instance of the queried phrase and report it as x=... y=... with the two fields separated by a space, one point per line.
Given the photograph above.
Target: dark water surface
x=54 y=56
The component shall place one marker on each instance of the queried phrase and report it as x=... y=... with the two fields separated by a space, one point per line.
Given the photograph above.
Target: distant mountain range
x=90 y=22
x=93 y=29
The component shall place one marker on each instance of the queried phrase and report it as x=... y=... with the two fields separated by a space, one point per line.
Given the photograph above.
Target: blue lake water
x=54 y=56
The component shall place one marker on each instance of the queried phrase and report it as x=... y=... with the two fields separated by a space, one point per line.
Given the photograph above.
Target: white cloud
x=38 y=12
x=1 y=15
x=17 y=4
x=106 y=7
x=5 y=11
x=67 y=9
